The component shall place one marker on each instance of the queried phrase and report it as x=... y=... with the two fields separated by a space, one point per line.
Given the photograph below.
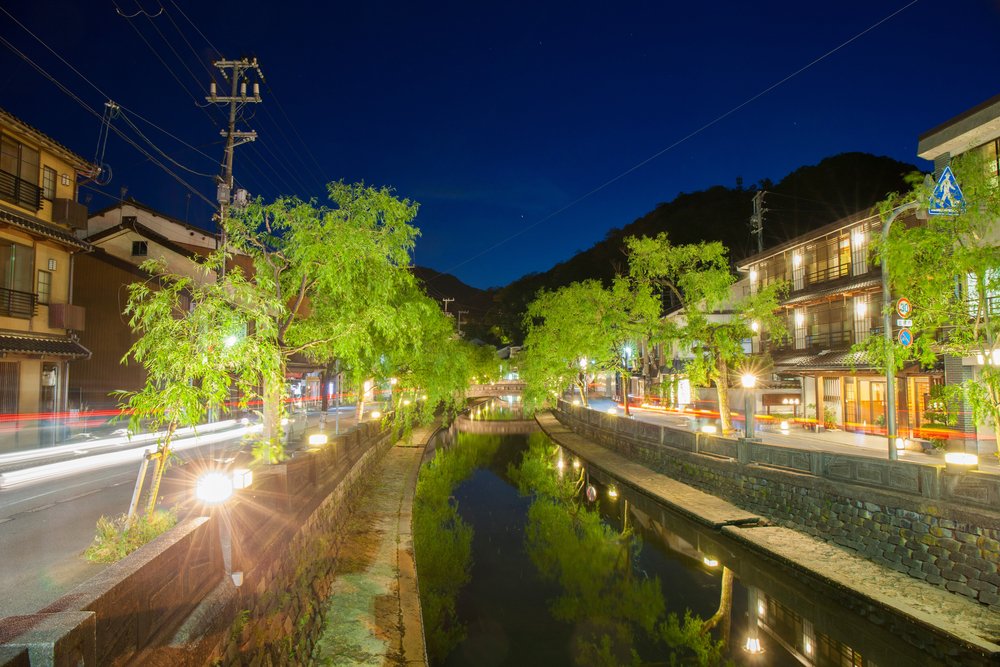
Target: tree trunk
x=359 y=413
x=159 y=466
x=722 y=389
x=626 y=381
x=273 y=432
x=581 y=386
x=723 y=615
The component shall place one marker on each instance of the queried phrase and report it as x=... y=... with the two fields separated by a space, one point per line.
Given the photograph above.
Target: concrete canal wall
x=921 y=520
x=900 y=619
x=175 y=601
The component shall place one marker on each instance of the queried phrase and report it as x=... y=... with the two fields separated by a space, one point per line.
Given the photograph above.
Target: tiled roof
x=40 y=228
x=839 y=288
x=834 y=360
x=48 y=345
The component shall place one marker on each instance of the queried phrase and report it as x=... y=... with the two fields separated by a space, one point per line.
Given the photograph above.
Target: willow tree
x=713 y=321
x=570 y=331
x=327 y=274
x=949 y=268
x=196 y=346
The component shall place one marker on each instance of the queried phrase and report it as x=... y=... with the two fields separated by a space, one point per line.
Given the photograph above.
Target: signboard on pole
x=947 y=198
x=903 y=307
x=905 y=337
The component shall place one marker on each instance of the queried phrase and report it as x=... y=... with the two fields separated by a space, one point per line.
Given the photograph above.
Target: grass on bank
x=118 y=537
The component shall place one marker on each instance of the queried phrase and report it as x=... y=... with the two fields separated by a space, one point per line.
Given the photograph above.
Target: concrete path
x=373 y=611
x=939 y=611
x=836 y=442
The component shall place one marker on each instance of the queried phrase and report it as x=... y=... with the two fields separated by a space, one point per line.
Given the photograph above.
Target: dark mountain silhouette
x=805 y=199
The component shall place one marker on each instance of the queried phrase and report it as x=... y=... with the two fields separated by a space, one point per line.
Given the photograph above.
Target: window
x=49 y=183
x=139 y=249
x=44 y=286
x=19 y=166
x=17 y=277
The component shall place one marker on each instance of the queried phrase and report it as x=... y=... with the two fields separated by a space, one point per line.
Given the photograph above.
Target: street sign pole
x=890 y=357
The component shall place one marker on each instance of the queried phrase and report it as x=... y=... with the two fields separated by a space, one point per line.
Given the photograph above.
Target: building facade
x=39 y=321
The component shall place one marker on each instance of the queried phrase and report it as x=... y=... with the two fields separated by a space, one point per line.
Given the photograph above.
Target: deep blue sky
x=496 y=115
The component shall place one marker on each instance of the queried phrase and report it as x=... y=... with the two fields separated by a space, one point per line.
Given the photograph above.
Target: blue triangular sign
x=947 y=198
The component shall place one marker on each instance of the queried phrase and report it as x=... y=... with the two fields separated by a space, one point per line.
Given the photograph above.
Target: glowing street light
x=214 y=488
x=749 y=381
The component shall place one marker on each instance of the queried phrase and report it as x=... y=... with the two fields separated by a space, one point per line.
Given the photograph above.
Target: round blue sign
x=905 y=337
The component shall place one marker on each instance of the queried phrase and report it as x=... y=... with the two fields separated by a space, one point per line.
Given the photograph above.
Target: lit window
x=44 y=286
x=49 y=183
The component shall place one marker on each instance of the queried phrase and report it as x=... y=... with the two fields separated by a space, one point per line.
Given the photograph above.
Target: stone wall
x=244 y=586
x=922 y=520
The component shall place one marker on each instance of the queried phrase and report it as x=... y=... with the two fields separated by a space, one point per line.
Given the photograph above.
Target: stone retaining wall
x=918 y=519
x=175 y=602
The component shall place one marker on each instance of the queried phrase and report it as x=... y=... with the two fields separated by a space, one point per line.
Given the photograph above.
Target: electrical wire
x=678 y=142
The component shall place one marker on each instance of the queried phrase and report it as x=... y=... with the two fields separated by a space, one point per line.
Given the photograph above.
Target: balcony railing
x=813 y=342
x=17 y=304
x=19 y=191
x=823 y=276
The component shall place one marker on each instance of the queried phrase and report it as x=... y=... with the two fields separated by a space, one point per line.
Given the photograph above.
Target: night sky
x=501 y=119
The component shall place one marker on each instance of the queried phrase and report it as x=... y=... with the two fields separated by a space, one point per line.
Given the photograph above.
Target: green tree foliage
x=442 y=541
x=949 y=269
x=603 y=590
x=697 y=277
x=197 y=345
x=330 y=276
x=570 y=331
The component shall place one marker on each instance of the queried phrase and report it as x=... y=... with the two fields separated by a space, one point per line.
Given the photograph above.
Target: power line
x=680 y=141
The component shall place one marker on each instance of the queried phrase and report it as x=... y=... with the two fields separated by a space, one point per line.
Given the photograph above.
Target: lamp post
x=890 y=357
x=627 y=375
x=749 y=381
x=213 y=489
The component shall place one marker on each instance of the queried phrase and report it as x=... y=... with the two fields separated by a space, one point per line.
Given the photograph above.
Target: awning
x=42 y=229
x=824 y=361
x=11 y=343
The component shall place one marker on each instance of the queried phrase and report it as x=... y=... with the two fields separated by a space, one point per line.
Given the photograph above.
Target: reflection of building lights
x=612 y=492
x=961 y=459
x=612 y=411
x=800 y=319
x=375 y=414
x=796 y=261
x=753 y=646
x=761 y=608
x=807 y=645
x=709 y=428
x=900 y=443
x=560 y=464
x=576 y=401
x=753 y=275
x=710 y=562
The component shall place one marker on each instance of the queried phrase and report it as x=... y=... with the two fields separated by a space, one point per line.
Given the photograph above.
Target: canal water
x=525 y=557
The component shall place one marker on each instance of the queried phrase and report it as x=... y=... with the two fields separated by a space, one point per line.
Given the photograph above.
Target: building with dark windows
x=39 y=322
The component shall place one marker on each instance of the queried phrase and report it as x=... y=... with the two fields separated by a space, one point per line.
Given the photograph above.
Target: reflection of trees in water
x=442 y=541
x=615 y=609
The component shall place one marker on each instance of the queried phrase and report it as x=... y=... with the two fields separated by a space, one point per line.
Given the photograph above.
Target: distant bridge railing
x=495 y=389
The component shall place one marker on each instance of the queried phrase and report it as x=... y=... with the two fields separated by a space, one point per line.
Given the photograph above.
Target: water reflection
x=517 y=567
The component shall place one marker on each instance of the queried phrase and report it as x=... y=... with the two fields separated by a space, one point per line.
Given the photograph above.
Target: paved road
x=48 y=512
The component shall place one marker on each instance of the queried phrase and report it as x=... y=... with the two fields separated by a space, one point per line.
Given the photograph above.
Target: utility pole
x=757 y=220
x=446 y=302
x=237 y=77
x=460 y=313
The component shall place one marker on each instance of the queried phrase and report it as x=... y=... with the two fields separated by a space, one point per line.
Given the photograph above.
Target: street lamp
x=749 y=381
x=890 y=357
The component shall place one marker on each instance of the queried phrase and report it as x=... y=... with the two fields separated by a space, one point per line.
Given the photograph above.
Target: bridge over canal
x=507 y=388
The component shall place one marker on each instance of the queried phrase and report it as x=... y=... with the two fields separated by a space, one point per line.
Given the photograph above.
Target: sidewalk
x=837 y=442
x=373 y=611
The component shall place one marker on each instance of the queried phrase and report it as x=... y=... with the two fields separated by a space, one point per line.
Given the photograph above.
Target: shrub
x=118 y=537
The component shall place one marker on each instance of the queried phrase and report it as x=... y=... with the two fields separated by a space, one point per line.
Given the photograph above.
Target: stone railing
x=495 y=389
x=178 y=600
x=924 y=520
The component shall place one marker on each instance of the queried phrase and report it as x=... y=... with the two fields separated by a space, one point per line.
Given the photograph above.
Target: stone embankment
x=948 y=628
